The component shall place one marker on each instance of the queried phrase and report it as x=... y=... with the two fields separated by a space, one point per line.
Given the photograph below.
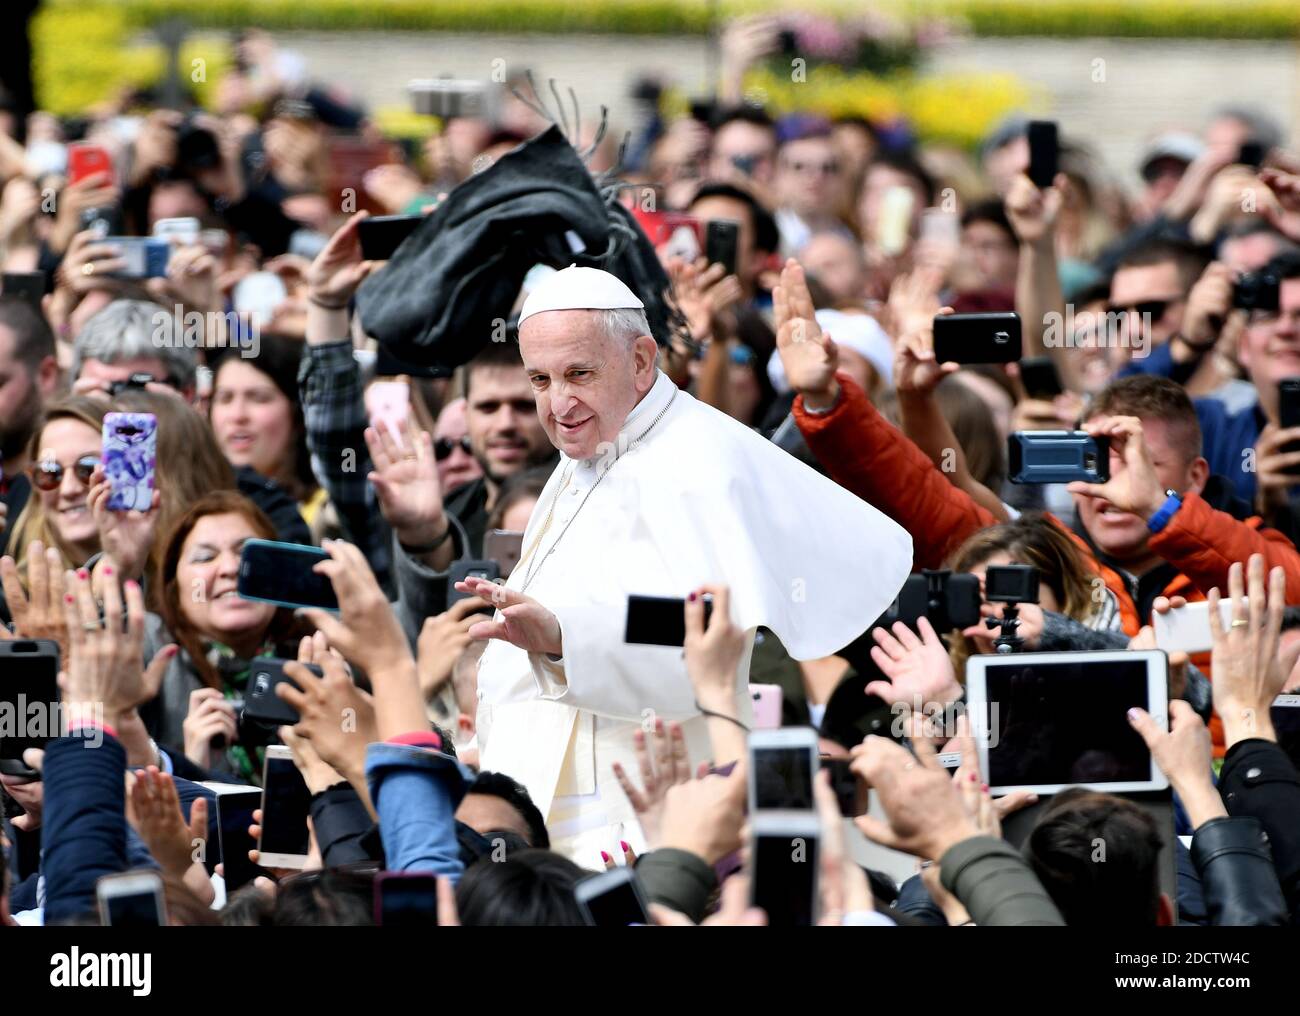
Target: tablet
x=1046 y=721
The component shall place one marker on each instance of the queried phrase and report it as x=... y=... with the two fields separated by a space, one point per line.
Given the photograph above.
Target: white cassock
x=699 y=499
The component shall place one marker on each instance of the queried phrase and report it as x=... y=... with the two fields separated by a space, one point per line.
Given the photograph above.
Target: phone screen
x=234 y=816
x=408 y=902
x=785 y=878
x=286 y=803
x=30 y=671
x=132 y=910
x=783 y=778
x=659 y=620
x=282 y=573
x=616 y=907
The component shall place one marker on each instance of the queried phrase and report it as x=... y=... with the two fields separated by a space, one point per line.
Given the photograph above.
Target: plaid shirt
x=334 y=413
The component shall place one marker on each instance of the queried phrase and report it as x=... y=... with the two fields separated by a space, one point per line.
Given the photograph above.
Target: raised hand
x=442 y=639
x=1033 y=212
x=1135 y=488
x=335 y=717
x=339 y=268
x=154 y=811
x=1184 y=753
x=210 y=716
x=809 y=357
x=405 y=478
x=125 y=536
x=1248 y=670
x=919 y=669
x=37 y=613
x=522 y=621
x=671 y=766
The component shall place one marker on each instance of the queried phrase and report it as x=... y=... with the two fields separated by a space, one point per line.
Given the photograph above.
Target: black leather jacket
x=1232 y=857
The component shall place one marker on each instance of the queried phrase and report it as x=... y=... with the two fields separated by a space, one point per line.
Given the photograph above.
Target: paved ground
x=1148 y=84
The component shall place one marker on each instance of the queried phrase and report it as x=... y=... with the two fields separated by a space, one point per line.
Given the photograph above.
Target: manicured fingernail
x=81 y=573
x=691 y=597
x=172 y=651
x=108 y=569
x=973 y=777
x=985 y=788
x=67 y=597
x=623 y=844
x=604 y=857
x=1133 y=715
x=132 y=584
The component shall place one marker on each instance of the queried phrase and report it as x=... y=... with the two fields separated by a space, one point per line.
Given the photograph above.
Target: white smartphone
x=894 y=226
x=286 y=803
x=131 y=899
x=388 y=404
x=1187 y=628
x=1046 y=721
x=782 y=766
x=180 y=232
x=612 y=899
x=258 y=295
x=784 y=857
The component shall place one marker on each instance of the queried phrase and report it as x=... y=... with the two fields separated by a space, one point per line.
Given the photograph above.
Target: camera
x=116 y=388
x=1257 y=291
x=948 y=601
x=1011 y=583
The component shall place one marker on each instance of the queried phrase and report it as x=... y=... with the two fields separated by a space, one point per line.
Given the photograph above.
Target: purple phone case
x=130 y=447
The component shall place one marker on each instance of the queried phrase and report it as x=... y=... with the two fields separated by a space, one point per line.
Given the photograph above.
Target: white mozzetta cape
x=701 y=499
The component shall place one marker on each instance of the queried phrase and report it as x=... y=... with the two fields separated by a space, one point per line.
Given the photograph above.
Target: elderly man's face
x=585 y=383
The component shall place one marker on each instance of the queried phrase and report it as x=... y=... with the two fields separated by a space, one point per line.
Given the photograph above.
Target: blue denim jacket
x=416 y=792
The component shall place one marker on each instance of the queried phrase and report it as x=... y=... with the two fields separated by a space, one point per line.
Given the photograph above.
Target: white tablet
x=1046 y=721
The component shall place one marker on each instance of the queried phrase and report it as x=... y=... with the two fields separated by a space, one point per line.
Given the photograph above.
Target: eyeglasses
x=443 y=447
x=830 y=168
x=1156 y=308
x=1273 y=317
x=48 y=475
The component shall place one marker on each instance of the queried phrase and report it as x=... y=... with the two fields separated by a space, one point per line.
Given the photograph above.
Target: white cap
x=577 y=288
x=859 y=332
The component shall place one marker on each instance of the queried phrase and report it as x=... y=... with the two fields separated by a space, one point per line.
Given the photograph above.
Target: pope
x=658 y=494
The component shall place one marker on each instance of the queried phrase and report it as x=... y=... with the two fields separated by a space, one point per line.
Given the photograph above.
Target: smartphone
x=388 y=404
x=611 y=899
x=783 y=852
x=281 y=573
x=977 y=338
x=659 y=620
x=1187 y=628
x=29 y=693
x=850 y=792
x=286 y=804
x=144 y=257
x=1252 y=154
x=406 y=899
x=257 y=295
x=768 y=702
x=782 y=767
x=131 y=899
x=26 y=286
x=1039 y=376
x=1043 y=152
x=129 y=456
x=1057 y=456
x=505 y=547
x=1288 y=415
x=894 y=225
x=721 y=237
x=234 y=816
x=262 y=703
x=1285 y=714
x=462 y=570
x=940 y=228
x=181 y=232
x=381 y=235
x=86 y=159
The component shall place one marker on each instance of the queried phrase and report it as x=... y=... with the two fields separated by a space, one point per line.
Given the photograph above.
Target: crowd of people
x=1134 y=283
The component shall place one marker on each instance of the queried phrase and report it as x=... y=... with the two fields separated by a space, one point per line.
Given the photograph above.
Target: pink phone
x=388 y=403
x=768 y=699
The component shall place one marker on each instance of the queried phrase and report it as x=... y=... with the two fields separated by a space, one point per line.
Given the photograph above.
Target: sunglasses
x=1156 y=308
x=48 y=475
x=443 y=447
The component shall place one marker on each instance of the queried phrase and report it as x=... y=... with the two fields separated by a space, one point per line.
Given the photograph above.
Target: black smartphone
x=1043 y=152
x=262 y=703
x=462 y=570
x=281 y=573
x=783 y=867
x=720 y=239
x=977 y=338
x=29 y=695
x=234 y=816
x=286 y=804
x=1057 y=456
x=659 y=620
x=1251 y=153
x=850 y=792
x=1039 y=376
x=26 y=286
x=406 y=899
x=947 y=599
x=611 y=899
x=1288 y=414
x=381 y=235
